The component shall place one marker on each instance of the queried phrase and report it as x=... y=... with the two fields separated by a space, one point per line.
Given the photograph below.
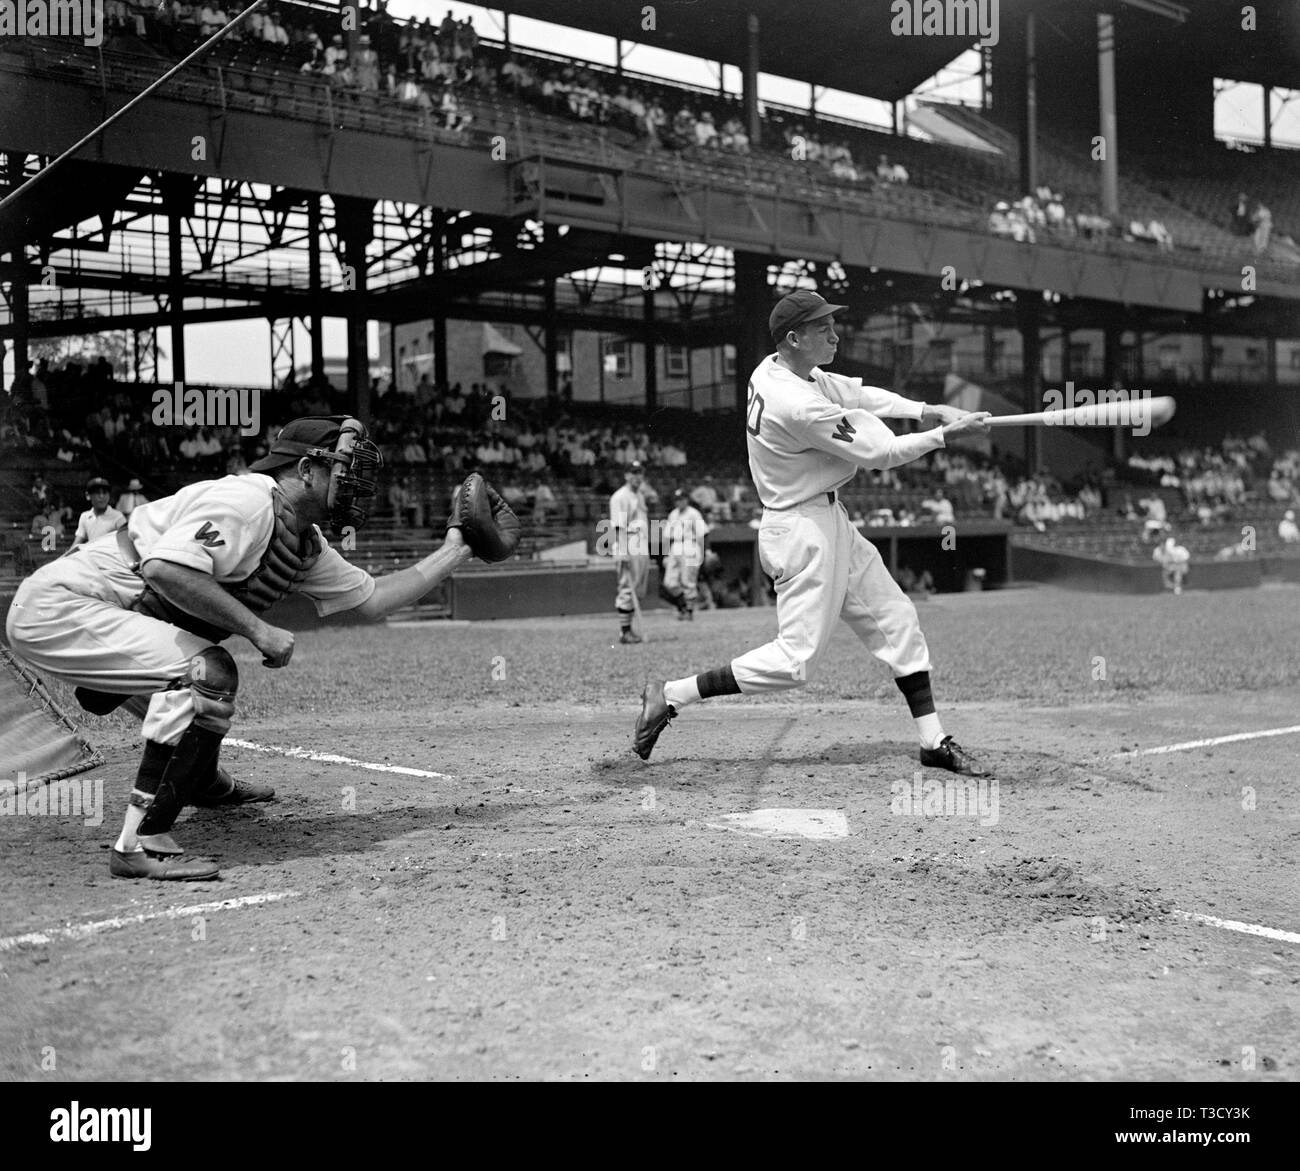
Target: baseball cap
x=636 y=466
x=297 y=438
x=799 y=308
x=98 y=482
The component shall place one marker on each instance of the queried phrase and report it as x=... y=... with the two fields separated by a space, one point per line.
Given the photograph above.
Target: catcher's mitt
x=485 y=520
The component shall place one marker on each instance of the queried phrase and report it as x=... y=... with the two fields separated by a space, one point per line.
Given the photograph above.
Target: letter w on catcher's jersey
x=210 y=537
x=844 y=430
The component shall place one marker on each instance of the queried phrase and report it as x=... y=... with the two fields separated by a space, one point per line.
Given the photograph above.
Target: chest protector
x=287 y=560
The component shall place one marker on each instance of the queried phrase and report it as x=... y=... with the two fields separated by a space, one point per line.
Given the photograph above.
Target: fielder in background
x=141 y=612
x=629 y=527
x=1173 y=560
x=809 y=433
x=686 y=533
x=99 y=518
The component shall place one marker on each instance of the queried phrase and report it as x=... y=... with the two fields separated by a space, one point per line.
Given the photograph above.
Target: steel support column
x=1029 y=310
x=651 y=350
x=752 y=308
x=19 y=306
x=1113 y=370
x=356 y=228
x=314 y=287
x=439 y=316
x=749 y=86
x=1029 y=122
x=1109 y=127
x=178 y=201
x=551 y=343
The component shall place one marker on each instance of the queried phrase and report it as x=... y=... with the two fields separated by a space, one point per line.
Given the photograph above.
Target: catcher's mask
x=354 y=460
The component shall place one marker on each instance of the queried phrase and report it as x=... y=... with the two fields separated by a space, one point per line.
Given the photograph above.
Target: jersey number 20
x=754 y=412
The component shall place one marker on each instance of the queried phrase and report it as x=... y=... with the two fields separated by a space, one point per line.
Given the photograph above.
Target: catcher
x=143 y=611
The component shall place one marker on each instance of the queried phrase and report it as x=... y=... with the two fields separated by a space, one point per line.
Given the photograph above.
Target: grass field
x=551 y=907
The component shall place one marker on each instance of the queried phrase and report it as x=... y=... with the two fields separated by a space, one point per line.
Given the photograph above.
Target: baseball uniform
x=72 y=617
x=629 y=526
x=808 y=434
x=684 y=531
x=807 y=440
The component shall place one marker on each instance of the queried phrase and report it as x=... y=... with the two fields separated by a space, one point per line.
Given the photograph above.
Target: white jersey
x=92 y=524
x=629 y=523
x=807 y=437
x=685 y=530
x=223 y=527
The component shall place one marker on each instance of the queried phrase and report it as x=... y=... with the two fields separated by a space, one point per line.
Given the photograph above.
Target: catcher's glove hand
x=485 y=520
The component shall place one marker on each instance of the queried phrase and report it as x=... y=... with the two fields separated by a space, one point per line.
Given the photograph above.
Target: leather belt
x=126 y=546
x=832 y=498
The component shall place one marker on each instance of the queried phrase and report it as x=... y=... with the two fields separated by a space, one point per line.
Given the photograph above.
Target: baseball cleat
x=628 y=637
x=952 y=756
x=655 y=714
x=226 y=790
x=143 y=864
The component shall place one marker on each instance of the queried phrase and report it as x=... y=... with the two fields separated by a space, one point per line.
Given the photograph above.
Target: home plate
x=821 y=825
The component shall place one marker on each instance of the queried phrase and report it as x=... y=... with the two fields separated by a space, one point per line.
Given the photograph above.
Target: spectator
x=706 y=133
x=940 y=508
x=132 y=498
x=1287 y=530
x=99 y=518
x=1262 y=221
x=543 y=502
x=365 y=70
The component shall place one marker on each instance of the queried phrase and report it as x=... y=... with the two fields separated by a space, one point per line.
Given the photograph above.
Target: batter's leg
x=878 y=611
x=803 y=551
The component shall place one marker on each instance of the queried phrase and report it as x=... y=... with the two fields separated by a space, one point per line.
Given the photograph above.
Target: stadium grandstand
x=548 y=266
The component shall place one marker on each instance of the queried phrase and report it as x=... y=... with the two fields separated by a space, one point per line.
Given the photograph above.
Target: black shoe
x=952 y=756
x=628 y=637
x=166 y=867
x=655 y=714
x=226 y=790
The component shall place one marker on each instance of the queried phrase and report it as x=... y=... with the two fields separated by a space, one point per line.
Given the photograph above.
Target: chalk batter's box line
x=84 y=930
x=334 y=758
x=1188 y=745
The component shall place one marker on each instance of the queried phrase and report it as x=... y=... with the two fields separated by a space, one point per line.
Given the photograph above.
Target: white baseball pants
x=70 y=619
x=825 y=570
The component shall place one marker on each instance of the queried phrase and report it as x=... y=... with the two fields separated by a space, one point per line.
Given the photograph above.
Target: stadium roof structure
x=848 y=45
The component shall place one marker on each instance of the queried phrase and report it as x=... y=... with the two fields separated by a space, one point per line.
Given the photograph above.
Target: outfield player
x=809 y=432
x=629 y=534
x=685 y=532
x=99 y=518
x=141 y=611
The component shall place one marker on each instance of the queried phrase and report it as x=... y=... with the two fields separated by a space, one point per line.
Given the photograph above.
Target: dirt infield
x=551 y=907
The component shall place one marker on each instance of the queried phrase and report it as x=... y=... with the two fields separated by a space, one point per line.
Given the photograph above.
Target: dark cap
x=799 y=308
x=300 y=437
x=636 y=466
x=680 y=494
x=98 y=482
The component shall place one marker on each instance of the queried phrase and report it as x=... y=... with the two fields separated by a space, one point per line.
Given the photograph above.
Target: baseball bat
x=1128 y=413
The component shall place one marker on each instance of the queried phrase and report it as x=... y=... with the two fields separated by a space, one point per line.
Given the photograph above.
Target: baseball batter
x=685 y=532
x=142 y=611
x=809 y=432
x=629 y=527
x=99 y=518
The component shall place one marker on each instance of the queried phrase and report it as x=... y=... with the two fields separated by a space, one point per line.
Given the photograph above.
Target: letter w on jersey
x=210 y=537
x=844 y=430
